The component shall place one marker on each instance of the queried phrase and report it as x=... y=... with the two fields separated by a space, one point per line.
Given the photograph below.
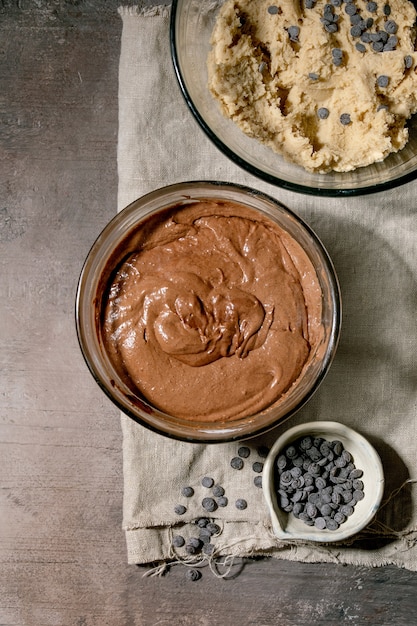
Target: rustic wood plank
x=62 y=552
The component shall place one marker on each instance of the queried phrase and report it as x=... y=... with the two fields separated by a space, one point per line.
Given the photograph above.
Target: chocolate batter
x=213 y=312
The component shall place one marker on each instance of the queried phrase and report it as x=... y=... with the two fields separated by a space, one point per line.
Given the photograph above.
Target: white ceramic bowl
x=192 y=23
x=288 y=527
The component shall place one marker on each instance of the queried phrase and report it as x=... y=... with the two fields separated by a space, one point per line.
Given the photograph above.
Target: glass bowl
x=111 y=249
x=191 y=27
x=287 y=526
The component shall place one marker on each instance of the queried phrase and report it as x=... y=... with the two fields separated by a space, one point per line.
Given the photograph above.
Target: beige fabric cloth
x=372 y=382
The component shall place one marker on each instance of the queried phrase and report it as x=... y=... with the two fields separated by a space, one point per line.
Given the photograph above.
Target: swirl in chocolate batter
x=212 y=313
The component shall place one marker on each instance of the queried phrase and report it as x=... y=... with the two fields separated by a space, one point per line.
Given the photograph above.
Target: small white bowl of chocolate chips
x=322 y=482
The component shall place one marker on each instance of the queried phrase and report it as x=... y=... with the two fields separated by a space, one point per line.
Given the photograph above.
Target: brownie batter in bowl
x=208 y=311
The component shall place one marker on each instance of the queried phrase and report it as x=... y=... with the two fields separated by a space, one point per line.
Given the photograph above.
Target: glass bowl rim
x=206 y=435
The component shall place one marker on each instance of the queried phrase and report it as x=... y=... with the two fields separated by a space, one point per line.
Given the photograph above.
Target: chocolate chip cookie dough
x=329 y=85
x=213 y=311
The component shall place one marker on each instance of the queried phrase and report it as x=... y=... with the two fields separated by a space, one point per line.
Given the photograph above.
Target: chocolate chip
x=391 y=43
x=244 y=452
x=274 y=10
x=193 y=574
x=237 y=463
x=241 y=504
x=208 y=549
x=320 y=523
x=323 y=113
x=202 y=522
x=306 y=442
x=209 y=504
x=281 y=461
x=178 y=541
x=347 y=510
x=180 y=509
x=293 y=33
x=218 y=491
x=195 y=542
x=408 y=61
x=382 y=81
x=291 y=452
x=207 y=482
x=213 y=528
x=257 y=467
x=331 y=523
x=187 y=492
x=222 y=501
x=257 y=481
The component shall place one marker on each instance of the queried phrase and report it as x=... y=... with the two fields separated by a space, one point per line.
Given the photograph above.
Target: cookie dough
x=213 y=313
x=328 y=85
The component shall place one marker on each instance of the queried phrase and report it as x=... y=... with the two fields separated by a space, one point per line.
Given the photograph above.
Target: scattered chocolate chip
x=320 y=523
x=195 y=542
x=244 y=452
x=345 y=119
x=193 y=574
x=187 y=492
x=208 y=549
x=257 y=481
x=209 y=504
x=222 y=501
x=180 y=509
x=241 y=504
x=237 y=463
x=178 y=541
x=218 y=491
x=213 y=528
x=202 y=522
x=207 y=482
x=257 y=467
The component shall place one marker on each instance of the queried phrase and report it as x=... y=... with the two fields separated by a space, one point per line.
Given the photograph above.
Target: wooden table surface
x=62 y=549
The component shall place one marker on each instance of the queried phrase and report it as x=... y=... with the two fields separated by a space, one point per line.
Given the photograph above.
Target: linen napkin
x=372 y=383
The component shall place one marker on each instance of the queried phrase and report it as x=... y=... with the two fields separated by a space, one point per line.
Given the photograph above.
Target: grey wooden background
x=62 y=551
